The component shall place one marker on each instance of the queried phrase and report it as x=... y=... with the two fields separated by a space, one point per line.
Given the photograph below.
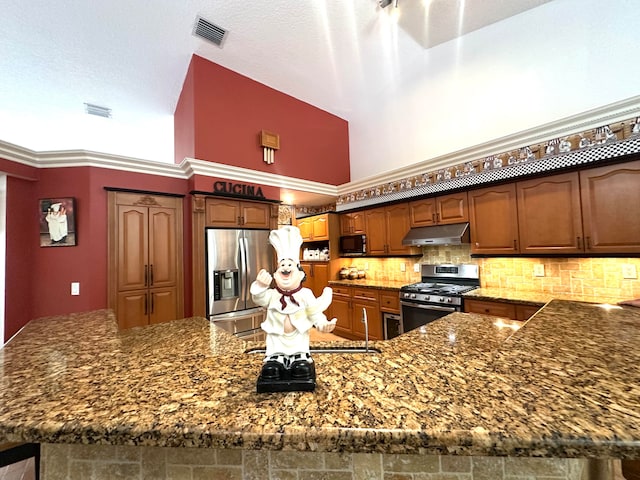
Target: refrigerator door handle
x=244 y=281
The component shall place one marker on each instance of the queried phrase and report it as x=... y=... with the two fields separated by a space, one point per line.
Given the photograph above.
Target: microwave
x=353 y=245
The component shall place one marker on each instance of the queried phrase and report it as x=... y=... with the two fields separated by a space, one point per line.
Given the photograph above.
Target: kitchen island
x=467 y=397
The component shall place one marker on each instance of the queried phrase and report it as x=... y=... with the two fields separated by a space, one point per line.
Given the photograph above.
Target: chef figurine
x=292 y=311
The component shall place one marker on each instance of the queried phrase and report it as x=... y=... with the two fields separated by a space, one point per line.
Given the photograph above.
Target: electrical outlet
x=416 y=267
x=538 y=270
x=629 y=271
x=75 y=288
x=403 y=267
x=366 y=265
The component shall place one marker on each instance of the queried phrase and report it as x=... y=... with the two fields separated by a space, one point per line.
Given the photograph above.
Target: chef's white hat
x=287 y=242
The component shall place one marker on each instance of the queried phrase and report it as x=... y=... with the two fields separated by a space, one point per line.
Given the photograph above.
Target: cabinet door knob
x=146 y=275
x=579 y=240
x=146 y=300
x=151 y=274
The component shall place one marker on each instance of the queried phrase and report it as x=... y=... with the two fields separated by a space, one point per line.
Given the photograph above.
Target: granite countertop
x=532 y=297
x=370 y=283
x=565 y=384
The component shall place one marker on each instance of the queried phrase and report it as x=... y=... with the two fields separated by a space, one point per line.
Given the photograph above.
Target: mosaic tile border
x=602 y=143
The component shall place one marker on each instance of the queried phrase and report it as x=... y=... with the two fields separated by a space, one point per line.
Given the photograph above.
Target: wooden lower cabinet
x=390 y=301
x=145 y=307
x=348 y=305
x=317 y=276
x=513 y=311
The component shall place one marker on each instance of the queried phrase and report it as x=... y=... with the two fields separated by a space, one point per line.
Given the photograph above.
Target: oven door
x=415 y=315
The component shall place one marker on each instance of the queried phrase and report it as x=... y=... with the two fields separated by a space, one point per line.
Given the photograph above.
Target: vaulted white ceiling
x=132 y=56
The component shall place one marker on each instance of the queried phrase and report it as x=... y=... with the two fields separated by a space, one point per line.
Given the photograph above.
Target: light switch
x=416 y=267
x=75 y=288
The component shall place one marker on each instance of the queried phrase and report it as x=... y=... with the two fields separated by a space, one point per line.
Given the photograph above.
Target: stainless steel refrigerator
x=234 y=258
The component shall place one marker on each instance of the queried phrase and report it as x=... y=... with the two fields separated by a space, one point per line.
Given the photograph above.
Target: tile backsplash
x=594 y=276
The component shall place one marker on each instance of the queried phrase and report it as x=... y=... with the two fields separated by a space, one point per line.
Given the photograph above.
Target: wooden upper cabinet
x=223 y=212
x=549 y=215
x=255 y=215
x=377 y=231
x=352 y=223
x=398 y=225
x=493 y=218
x=441 y=210
x=386 y=227
x=313 y=229
x=610 y=196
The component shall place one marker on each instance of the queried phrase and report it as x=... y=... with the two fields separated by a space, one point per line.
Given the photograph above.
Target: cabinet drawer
x=497 y=309
x=341 y=291
x=365 y=294
x=390 y=301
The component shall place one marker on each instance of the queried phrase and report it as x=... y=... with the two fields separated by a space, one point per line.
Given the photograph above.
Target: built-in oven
x=415 y=315
x=438 y=294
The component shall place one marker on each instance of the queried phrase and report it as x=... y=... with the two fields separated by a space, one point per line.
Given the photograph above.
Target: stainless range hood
x=454 y=234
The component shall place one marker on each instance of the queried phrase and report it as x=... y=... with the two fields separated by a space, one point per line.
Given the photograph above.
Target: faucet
x=366 y=329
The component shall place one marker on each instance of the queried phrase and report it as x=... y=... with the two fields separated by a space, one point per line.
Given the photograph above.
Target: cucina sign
x=240 y=189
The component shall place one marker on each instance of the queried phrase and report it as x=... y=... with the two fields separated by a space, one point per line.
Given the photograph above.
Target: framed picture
x=58 y=222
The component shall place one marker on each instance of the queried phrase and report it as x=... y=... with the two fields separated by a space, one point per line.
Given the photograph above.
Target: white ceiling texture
x=132 y=55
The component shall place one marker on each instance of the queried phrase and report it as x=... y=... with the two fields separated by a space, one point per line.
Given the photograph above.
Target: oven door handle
x=428 y=307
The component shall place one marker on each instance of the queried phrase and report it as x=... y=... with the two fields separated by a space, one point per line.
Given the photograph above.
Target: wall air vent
x=210 y=31
x=97 y=110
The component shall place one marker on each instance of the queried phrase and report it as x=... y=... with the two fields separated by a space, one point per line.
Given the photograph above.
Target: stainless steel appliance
x=392 y=324
x=353 y=245
x=439 y=293
x=234 y=258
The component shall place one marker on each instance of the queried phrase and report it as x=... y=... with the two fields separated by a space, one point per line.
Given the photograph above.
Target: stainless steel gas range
x=439 y=293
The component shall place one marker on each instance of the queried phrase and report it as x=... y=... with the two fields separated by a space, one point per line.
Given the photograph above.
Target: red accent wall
x=183 y=120
x=22 y=242
x=226 y=112
x=39 y=278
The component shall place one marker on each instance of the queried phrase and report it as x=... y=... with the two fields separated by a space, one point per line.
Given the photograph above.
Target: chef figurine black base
x=292 y=310
x=275 y=377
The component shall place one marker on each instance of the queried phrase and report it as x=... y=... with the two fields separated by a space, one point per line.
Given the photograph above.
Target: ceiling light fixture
x=386 y=3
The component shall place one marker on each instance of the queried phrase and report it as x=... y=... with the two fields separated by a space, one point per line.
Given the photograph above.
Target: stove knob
x=413 y=295
x=449 y=300
x=442 y=299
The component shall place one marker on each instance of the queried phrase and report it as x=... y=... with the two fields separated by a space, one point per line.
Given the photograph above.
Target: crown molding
x=212 y=169
x=612 y=113
x=597 y=117
x=186 y=169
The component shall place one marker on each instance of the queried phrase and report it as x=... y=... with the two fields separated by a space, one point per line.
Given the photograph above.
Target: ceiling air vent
x=210 y=31
x=97 y=110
